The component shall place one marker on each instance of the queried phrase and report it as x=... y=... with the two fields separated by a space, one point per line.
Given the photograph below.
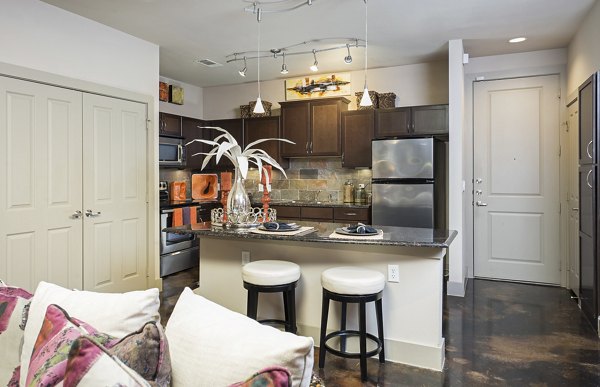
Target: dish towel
x=279 y=226
x=361 y=228
x=193 y=215
x=186 y=215
x=177 y=217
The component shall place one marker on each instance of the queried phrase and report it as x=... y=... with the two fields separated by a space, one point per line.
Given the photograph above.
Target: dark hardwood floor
x=499 y=334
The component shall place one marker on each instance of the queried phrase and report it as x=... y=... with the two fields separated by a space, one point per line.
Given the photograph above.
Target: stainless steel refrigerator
x=409 y=183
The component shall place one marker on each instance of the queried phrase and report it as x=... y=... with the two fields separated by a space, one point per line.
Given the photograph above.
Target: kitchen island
x=412 y=307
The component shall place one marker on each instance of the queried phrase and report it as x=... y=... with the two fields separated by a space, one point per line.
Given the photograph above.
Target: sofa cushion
x=89 y=364
x=116 y=314
x=51 y=349
x=14 y=305
x=145 y=351
x=269 y=377
x=214 y=346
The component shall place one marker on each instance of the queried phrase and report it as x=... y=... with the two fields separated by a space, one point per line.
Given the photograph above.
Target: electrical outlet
x=393 y=273
x=245 y=257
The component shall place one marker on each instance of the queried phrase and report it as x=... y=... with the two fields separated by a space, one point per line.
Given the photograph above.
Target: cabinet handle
x=306 y=147
x=311 y=150
x=343 y=157
x=350 y=213
x=587 y=149
x=587 y=178
x=77 y=215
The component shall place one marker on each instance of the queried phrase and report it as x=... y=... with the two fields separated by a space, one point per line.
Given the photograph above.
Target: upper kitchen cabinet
x=314 y=126
x=265 y=127
x=191 y=131
x=357 y=132
x=169 y=124
x=235 y=126
x=411 y=121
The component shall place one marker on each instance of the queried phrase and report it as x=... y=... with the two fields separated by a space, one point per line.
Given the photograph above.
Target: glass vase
x=238 y=202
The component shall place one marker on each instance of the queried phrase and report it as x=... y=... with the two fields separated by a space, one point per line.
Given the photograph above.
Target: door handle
x=479 y=203
x=587 y=149
x=479 y=192
x=575 y=209
x=587 y=178
x=90 y=213
x=77 y=215
x=478 y=181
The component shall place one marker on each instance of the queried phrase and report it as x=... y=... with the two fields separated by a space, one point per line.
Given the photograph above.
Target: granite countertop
x=392 y=236
x=303 y=203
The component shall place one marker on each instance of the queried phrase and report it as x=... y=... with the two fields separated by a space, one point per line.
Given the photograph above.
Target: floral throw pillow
x=145 y=351
x=268 y=377
x=90 y=364
x=51 y=350
x=14 y=307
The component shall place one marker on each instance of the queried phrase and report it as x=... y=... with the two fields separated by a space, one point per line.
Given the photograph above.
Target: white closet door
x=114 y=191
x=40 y=189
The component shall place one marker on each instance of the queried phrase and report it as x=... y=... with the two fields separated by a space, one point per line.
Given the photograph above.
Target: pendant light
x=284 y=69
x=258 y=108
x=348 y=58
x=366 y=98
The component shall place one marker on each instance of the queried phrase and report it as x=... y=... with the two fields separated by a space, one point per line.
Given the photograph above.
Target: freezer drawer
x=410 y=158
x=403 y=205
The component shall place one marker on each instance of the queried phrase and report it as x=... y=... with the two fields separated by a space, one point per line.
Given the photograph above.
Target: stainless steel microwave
x=171 y=152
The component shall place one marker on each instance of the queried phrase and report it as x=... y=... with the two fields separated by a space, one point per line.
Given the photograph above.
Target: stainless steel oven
x=177 y=252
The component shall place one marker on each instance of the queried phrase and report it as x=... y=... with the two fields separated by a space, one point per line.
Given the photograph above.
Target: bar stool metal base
x=345 y=333
x=289 y=303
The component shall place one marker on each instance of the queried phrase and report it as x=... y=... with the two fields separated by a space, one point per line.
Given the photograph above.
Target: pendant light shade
x=366 y=98
x=259 y=108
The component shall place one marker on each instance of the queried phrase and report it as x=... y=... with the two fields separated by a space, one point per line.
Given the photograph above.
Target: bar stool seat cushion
x=352 y=280
x=270 y=272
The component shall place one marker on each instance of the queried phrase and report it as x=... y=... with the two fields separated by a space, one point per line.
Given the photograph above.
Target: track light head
x=242 y=72
x=348 y=58
x=284 y=69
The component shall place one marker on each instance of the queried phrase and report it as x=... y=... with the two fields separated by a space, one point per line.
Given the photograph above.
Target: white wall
x=35 y=35
x=193 y=97
x=457 y=275
x=419 y=84
x=584 y=50
x=507 y=66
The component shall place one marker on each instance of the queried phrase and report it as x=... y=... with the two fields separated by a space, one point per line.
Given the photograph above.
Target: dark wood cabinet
x=351 y=215
x=190 y=131
x=314 y=126
x=411 y=121
x=357 y=132
x=265 y=127
x=169 y=124
x=324 y=214
x=287 y=212
x=235 y=127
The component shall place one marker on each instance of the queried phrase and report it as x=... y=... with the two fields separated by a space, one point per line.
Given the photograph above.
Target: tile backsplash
x=307 y=179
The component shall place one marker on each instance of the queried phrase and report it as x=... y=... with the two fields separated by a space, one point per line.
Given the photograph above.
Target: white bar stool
x=270 y=276
x=352 y=285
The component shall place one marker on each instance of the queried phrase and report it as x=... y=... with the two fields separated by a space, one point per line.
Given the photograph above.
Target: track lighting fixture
x=242 y=72
x=315 y=64
x=348 y=59
x=284 y=69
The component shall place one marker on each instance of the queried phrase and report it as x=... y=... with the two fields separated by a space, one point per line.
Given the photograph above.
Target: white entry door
x=40 y=184
x=114 y=191
x=516 y=172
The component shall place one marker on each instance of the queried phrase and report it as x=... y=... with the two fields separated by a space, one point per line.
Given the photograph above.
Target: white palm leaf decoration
x=226 y=145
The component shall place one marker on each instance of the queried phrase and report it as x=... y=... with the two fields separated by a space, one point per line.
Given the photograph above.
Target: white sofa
x=208 y=345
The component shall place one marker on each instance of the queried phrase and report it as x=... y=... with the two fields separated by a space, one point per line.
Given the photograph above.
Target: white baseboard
x=456 y=289
x=413 y=354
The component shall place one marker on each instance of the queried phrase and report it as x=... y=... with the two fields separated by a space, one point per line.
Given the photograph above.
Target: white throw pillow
x=116 y=314
x=214 y=346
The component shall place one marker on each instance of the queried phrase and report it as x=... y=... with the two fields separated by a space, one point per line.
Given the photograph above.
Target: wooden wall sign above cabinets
x=314 y=126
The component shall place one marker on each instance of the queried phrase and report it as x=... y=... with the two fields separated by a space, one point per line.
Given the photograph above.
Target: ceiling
x=400 y=31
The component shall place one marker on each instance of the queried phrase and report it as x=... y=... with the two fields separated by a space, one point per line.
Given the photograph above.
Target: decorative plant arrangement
x=225 y=145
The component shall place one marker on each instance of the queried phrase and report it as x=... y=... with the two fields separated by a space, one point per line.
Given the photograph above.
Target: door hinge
x=558 y=96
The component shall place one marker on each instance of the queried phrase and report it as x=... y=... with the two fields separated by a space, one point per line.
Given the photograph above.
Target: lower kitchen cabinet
x=323 y=214
x=346 y=214
x=352 y=215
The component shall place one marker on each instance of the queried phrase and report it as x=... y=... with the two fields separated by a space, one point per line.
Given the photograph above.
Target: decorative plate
x=344 y=231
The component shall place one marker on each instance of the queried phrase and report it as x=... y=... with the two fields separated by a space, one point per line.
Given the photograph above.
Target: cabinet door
x=295 y=124
x=170 y=124
x=352 y=215
x=191 y=131
x=326 y=127
x=392 y=122
x=430 y=119
x=587 y=129
x=357 y=132
x=287 y=212
x=587 y=290
x=265 y=127
x=324 y=214
x=586 y=199
x=235 y=127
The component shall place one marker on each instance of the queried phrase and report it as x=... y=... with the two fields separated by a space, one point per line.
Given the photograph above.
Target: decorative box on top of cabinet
x=411 y=121
x=314 y=126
